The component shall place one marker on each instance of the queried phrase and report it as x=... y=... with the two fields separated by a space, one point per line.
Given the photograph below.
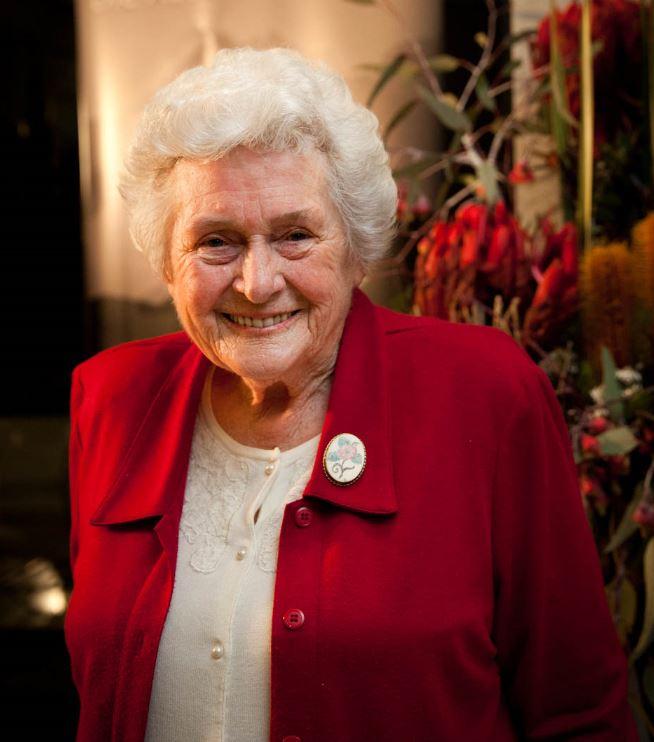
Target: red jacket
x=452 y=593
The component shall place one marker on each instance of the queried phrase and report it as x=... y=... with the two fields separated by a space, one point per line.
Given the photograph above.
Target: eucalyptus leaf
x=488 y=177
x=413 y=169
x=627 y=526
x=446 y=114
x=617 y=441
x=481 y=38
x=648 y=620
x=370 y=66
x=623 y=601
x=612 y=388
x=444 y=63
x=483 y=94
x=510 y=66
x=389 y=72
x=399 y=116
x=517 y=37
x=401 y=301
x=558 y=106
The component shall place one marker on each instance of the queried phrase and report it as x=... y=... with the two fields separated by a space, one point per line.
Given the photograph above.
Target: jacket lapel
x=359 y=404
x=153 y=473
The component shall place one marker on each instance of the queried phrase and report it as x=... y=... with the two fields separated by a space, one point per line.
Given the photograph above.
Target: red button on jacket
x=303 y=517
x=293 y=618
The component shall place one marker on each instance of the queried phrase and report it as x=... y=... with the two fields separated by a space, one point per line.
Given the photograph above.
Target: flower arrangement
x=577 y=290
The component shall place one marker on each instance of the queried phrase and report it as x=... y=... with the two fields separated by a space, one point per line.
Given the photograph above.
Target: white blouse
x=212 y=676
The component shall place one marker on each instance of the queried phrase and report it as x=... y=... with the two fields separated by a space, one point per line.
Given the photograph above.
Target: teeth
x=244 y=321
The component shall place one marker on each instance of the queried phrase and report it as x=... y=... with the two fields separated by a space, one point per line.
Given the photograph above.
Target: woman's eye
x=296 y=236
x=213 y=242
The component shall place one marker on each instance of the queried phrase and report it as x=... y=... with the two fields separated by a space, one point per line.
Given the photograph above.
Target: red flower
x=422 y=207
x=569 y=251
x=591 y=489
x=521 y=173
x=644 y=514
x=598 y=425
x=551 y=286
x=617 y=64
x=498 y=246
x=589 y=444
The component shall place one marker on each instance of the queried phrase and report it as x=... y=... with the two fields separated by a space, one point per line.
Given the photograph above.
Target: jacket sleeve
x=563 y=671
x=74 y=461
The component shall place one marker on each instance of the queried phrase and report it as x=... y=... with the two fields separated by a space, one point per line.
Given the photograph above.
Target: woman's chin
x=255 y=372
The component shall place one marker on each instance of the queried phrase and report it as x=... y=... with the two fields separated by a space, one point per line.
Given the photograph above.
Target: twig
x=418 y=52
x=455 y=199
x=413 y=240
x=484 y=60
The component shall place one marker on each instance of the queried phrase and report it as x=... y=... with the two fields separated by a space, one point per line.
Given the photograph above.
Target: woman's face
x=259 y=270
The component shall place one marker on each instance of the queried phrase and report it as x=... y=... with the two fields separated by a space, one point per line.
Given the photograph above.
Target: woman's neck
x=269 y=415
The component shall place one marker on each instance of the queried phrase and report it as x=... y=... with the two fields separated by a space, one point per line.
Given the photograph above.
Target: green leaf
x=623 y=600
x=388 y=73
x=486 y=100
x=370 y=67
x=488 y=177
x=617 y=441
x=648 y=620
x=612 y=388
x=627 y=526
x=559 y=107
x=481 y=38
x=401 y=301
x=446 y=114
x=399 y=116
x=509 y=67
x=444 y=63
x=414 y=169
x=517 y=37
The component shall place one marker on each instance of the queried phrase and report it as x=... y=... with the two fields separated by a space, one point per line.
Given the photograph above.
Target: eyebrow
x=205 y=223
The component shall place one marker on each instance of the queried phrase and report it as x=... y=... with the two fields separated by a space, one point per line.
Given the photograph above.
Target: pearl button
x=241 y=553
x=269 y=469
x=217 y=650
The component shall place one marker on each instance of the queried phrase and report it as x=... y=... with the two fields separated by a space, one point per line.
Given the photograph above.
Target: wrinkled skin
x=257 y=235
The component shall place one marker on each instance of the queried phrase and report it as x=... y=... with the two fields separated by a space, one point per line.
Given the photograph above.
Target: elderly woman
x=306 y=518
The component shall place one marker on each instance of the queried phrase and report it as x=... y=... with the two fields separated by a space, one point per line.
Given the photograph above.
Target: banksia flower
x=607 y=299
x=643 y=252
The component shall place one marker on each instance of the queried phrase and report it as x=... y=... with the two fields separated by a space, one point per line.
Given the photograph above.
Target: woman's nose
x=259 y=278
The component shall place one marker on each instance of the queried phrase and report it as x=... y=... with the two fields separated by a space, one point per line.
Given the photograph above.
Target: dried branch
x=484 y=59
x=416 y=48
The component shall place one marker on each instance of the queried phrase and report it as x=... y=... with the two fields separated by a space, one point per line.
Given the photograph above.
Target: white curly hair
x=266 y=100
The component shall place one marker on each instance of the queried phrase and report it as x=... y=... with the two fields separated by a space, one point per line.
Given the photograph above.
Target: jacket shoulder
x=127 y=364
x=463 y=355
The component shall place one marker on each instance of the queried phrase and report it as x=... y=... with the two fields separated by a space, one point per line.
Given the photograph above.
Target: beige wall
x=129 y=48
x=532 y=200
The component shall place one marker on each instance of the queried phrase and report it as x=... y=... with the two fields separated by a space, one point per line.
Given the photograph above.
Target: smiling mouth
x=261 y=322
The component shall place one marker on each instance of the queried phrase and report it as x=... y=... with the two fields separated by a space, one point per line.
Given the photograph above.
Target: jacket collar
x=152 y=477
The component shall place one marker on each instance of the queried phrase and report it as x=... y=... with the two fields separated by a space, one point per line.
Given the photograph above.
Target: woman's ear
x=359 y=271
